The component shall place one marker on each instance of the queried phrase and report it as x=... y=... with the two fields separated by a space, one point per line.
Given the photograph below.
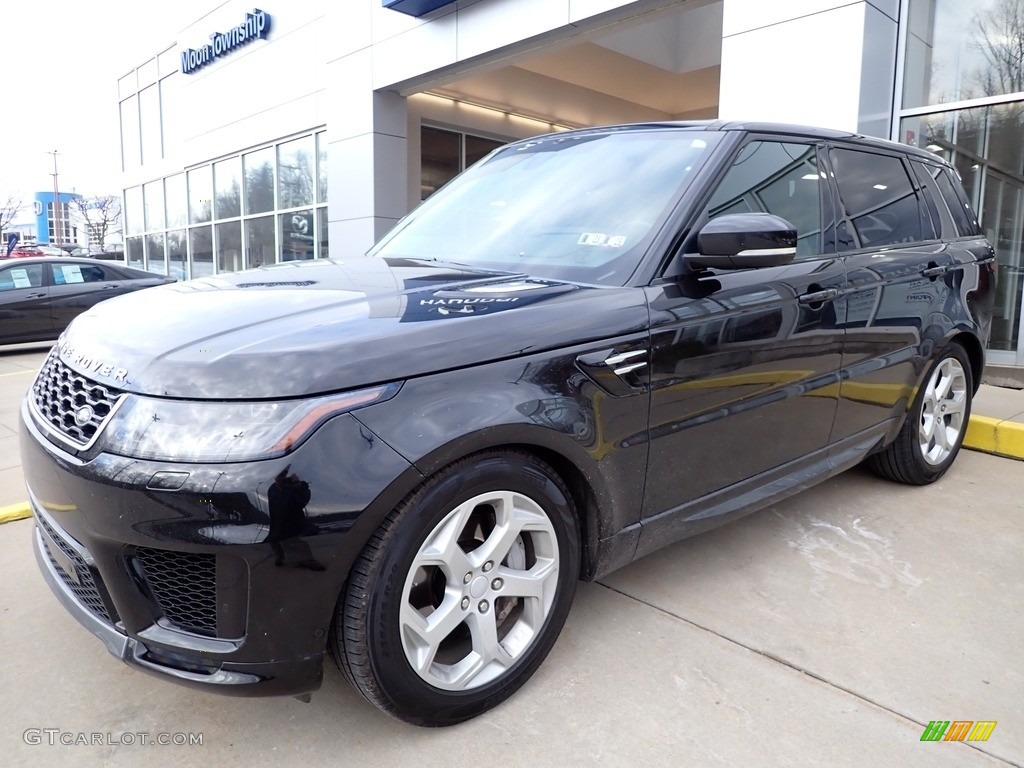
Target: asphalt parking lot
x=828 y=630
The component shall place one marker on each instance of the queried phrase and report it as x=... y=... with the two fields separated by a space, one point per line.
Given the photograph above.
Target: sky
x=60 y=61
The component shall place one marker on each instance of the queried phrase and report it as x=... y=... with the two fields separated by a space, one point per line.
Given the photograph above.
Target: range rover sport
x=588 y=346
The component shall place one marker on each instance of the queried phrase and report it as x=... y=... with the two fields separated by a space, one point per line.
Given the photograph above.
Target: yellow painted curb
x=15 y=512
x=1001 y=437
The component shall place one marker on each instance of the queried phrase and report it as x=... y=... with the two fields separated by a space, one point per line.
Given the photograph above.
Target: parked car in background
x=590 y=345
x=25 y=251
x=39 y=296
x=52 y=250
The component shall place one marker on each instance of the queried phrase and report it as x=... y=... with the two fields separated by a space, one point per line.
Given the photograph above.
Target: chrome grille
x=84 y=589
x=59 y=393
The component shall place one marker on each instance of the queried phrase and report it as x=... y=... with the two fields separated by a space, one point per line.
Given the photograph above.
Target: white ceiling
x=665 y=67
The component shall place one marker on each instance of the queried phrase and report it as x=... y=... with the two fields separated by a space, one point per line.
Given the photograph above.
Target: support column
x=366 y=156
x=818 y=62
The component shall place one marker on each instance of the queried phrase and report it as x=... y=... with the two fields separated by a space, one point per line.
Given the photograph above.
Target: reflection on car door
x=75 y=286
x=904 y=283
x=24 y=304
x=745 y=364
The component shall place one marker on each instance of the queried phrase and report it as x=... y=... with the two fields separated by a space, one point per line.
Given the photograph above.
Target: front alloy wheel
x=479 y=590
x=462 y=591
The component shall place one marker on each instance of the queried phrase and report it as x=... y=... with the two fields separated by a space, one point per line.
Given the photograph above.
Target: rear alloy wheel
x=463 y=590
x=934 y=429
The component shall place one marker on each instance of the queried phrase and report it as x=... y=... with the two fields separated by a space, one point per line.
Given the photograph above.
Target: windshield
x=580 y=207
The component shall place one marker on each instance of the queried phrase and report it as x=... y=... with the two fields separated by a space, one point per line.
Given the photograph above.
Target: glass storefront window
x=986 y=146
x=323 y=252
x=200 y=195
x=171 y=127
x=440 y=159
x=131 y=150
x=321 y=166
x=259 y=181
x=959 y=50
x=229 y=247
x=227 y=182
x=201 y=246
x=260 y=245
x=133 y=252
x=149 y=111
x=175 y=200
x=134 y=219
x=154 y=201
x=296 y=235
x=477 y=148
x=177 y=254
x=296 y=170
x=156 y=260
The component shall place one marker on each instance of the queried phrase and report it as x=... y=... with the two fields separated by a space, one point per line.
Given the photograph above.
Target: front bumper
x=191 y=583
x=280 y=678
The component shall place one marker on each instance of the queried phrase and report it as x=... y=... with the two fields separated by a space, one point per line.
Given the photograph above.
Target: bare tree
x=999 y=36
x=101 y=214
x=8 y=211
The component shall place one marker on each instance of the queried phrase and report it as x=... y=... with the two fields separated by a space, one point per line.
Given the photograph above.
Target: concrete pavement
x=827 y=630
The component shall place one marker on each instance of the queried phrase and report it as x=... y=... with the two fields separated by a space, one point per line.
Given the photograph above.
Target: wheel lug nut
x=497 y=584
x=465 y=603
x=488 y=565
x=467 y=578
x=483 y=606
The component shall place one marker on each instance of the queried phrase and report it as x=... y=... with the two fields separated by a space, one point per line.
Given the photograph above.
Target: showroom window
x=963 y=100
x=250 y=209
x=445 y=154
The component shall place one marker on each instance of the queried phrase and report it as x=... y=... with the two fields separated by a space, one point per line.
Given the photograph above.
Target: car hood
x=304 y=328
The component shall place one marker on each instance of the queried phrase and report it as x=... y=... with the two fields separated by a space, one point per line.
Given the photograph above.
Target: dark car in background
x=588 y=346
x=40 y=296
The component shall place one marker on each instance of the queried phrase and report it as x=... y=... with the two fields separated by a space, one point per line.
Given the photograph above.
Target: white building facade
x=257 y=135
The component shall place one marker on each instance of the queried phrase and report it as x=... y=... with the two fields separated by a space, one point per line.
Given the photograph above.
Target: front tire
x=934 y=429
x=462 y=591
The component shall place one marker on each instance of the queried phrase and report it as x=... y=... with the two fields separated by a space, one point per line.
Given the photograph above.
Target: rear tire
x=462 y=591
x=934 y=429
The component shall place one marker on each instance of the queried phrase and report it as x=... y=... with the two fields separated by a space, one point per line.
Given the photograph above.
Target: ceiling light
x=810 y=176
x=880 y=186
x=933 y=148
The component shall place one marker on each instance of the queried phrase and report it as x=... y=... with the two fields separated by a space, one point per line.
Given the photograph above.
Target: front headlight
x=207 y=431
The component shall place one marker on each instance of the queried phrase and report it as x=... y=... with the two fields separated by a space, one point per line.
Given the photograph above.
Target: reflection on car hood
x=309 y=327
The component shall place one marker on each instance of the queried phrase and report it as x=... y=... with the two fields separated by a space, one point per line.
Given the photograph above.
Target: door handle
x=35 y=295
x=818 y=297
x=934 y=270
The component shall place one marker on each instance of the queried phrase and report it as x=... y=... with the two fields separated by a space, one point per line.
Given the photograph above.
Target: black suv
x=588 y=346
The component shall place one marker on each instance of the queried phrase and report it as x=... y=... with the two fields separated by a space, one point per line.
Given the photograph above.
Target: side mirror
x=744 y=241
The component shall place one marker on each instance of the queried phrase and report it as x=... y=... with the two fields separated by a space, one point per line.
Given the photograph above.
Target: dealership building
x=261 y=135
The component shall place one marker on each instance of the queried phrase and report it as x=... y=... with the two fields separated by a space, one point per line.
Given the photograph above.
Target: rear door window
x=70 y=274
x=877 y=198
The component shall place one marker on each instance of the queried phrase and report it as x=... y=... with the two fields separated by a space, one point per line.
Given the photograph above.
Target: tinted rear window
x=937 y=208
x=877 y=197
x=953 y=192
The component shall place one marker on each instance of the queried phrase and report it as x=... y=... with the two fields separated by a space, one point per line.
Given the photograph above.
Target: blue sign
x=256 y=26
x=12 y=240
x=416 y=7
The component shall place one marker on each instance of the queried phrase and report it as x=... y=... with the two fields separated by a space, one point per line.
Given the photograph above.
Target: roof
x=785 y=129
